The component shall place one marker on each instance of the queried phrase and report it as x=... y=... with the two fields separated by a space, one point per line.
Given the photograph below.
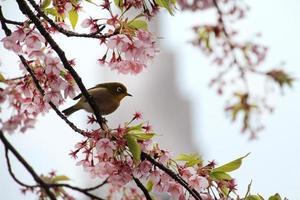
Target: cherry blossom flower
x=198 y=182
x=53 y=96
x=175 y=189
x=105 y=148
x=34 y=41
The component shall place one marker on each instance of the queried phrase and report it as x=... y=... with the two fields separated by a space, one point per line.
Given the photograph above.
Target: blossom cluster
x=21 y=93
x=130 y=54
x=115 y=155
x=130 y=47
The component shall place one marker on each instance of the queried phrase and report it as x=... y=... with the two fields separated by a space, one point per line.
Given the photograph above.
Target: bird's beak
x=128 y=95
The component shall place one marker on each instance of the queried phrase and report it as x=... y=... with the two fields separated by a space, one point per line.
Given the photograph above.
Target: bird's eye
x=119 y=89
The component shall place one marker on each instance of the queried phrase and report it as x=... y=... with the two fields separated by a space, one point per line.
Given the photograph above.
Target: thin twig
x=7 y=21
x=172 y=174
x=97 y=186
x=12 y=173
x=83 y=191
x=27 y=11
x=142 y=187
x=97 y=34
x=41 y=183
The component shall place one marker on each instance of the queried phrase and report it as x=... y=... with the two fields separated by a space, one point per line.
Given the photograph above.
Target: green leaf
x=134 y=147
x=231 y=166
x=142 y=135
x=253 y=197
x=275 y=197
x=220 y=176
x=45 y=4
x=51 y=11
x=166 y=4
x=149 y=186
x=73 y=17
x=190 y=159
x=138 y=127
x=119 y=4
x=2 y=79
x=138 y=24
x=60 y=178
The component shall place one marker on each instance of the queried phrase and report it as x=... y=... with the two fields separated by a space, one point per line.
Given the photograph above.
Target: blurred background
x=173 y=94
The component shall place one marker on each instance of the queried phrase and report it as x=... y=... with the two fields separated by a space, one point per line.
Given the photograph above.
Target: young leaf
x=119 y=4
x=191 y=159
x=166 y=4
x=231 y=166
x=138 y=127
x=275 y=197
x=142 y=135
x=45 y=4
x=149 y=186
x=138 y=24
x=51 y=11
x=134 y=147
x=253 y=197
x=73 y=17
x=60 y=178
x=220 y=176
x=2 y=79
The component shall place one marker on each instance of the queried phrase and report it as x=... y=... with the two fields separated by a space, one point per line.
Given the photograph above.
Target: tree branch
x=83 y=191
x=68 y=33
x=172 y=174
x=61 y=54
x=97 y=186
x=12 y=173
x=41 y=183
x=142 y=187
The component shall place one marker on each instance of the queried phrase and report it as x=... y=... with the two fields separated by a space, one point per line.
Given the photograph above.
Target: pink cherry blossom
x=175 y=189
x=105 y=148
x=11 y=44
x=198 y=182
x=34 y=41
x=53 y=65
x=53 y=96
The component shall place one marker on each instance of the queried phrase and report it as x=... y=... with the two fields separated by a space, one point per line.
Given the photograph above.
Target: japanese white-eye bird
x=106 y=95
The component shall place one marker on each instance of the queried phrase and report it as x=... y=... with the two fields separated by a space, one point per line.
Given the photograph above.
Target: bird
x=106 y=95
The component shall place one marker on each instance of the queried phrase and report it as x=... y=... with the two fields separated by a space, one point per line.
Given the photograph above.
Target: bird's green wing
x=101 y=85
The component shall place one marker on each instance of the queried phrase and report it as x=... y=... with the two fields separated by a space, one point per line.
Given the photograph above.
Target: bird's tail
x=70 y=110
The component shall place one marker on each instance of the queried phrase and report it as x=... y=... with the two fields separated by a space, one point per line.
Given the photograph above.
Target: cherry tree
x=126 y=159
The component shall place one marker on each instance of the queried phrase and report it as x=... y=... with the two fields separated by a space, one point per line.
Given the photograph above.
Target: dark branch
x=40 y=182
x=68 y=33
x=97 y=186
x=27 y=11
x=172 y=174
x=12 y=173
x=3 y=24
x=83 y=191
x=7 y=21
x=142 y=187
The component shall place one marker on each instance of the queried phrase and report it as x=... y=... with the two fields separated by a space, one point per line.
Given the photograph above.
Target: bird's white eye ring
x=119 y=89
